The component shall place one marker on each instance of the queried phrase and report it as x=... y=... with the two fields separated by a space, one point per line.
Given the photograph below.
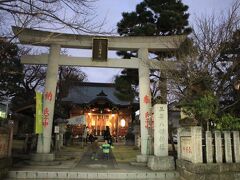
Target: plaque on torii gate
x=100 y=49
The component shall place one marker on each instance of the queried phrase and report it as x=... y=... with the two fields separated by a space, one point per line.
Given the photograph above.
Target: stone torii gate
x=54 y=59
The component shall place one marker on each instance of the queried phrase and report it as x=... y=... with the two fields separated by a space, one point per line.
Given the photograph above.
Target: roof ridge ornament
x=102 y=94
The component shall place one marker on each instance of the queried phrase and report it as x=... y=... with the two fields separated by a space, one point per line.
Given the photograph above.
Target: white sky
x=111 y=10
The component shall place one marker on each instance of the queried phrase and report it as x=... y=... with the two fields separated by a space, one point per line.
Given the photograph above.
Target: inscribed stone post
x=160 y=130
x=228 y=146
x=179 y=131
x=218 y=147
x=236 y=145
x=196 y=138
x=209 y=147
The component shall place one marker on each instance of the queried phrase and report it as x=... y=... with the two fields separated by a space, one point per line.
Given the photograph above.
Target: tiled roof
x=85 y=93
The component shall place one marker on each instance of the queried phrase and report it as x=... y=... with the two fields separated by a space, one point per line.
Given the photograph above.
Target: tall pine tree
x=152 y=18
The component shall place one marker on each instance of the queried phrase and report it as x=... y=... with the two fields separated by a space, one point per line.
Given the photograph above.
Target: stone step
x=168 y=175
x=135 y=163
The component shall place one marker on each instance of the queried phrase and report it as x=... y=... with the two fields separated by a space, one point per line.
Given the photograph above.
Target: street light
x=237 y=85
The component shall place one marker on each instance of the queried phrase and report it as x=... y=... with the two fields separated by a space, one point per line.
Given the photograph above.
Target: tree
x=153 y=18
x=11 y=70
x=33 y=79
x=229 y=74
x=67 y=77
x=208 y=69
x=52 y=14
x=124 y=89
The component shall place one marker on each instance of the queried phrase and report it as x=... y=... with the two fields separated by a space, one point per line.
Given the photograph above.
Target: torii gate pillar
x=44 y=140
x=145 y=103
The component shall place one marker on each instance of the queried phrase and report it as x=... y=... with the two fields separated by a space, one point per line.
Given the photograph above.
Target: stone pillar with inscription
x=145 y=103
x=236 y=145
x=196 y=137
x=179 y=132
x=228 y=146
x=184 y=147
x=160 y=160
x=160 y=130
x=44 y=140
x=218 y=147
x=209 y=147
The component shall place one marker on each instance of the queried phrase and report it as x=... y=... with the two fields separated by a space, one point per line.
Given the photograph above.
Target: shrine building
x=97 y=106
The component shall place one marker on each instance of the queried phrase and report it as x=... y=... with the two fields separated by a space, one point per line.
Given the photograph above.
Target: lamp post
x=10 y=124
x=237 y=85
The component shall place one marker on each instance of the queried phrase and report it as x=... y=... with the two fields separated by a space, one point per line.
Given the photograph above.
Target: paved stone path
x=79 y=165
x=101 y=162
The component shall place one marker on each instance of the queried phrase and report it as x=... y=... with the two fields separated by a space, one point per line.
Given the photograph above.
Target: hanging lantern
x=122 y=123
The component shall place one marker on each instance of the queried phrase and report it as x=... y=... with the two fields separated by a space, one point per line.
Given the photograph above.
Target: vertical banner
x=38 y=124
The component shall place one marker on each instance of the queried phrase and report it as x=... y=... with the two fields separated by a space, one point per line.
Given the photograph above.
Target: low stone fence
x=5 y=153
x=203 y=155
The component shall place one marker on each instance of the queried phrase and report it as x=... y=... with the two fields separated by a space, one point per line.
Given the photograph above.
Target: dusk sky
x=111 y=10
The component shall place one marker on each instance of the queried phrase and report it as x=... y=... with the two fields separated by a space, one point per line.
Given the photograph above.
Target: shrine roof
x=86 y=93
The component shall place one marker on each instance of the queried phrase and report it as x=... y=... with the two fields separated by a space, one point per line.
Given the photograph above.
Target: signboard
x=77 y=120
x=38 y=124
x=3 y=110
x=3 y=145
x=186 y=148
x=56 y=129
x=2 y=114
x=100 y=49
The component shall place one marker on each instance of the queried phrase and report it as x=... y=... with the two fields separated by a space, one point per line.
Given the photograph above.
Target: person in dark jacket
x=106 y=134
x=92 y=138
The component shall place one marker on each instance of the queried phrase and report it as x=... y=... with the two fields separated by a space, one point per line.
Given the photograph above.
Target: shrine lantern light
x=122 y=123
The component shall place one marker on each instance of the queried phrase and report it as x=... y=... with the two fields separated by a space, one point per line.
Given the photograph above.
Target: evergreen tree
x=11 y=69
x=152 y=18
x=155 y=18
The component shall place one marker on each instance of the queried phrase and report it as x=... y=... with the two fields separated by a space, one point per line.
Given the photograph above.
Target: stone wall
x=190 y=144
x=209 y=155
x=211 y=171
x=208 y=147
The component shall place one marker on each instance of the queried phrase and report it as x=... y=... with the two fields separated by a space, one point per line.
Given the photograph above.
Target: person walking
x=92 y=138
x=106 y=133
x=106 y=149
x=85 y=134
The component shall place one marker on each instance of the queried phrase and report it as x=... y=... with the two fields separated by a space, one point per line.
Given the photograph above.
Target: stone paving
x=79 y=165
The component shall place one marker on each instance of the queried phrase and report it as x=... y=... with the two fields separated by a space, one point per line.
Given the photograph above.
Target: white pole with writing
x=49 y=99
